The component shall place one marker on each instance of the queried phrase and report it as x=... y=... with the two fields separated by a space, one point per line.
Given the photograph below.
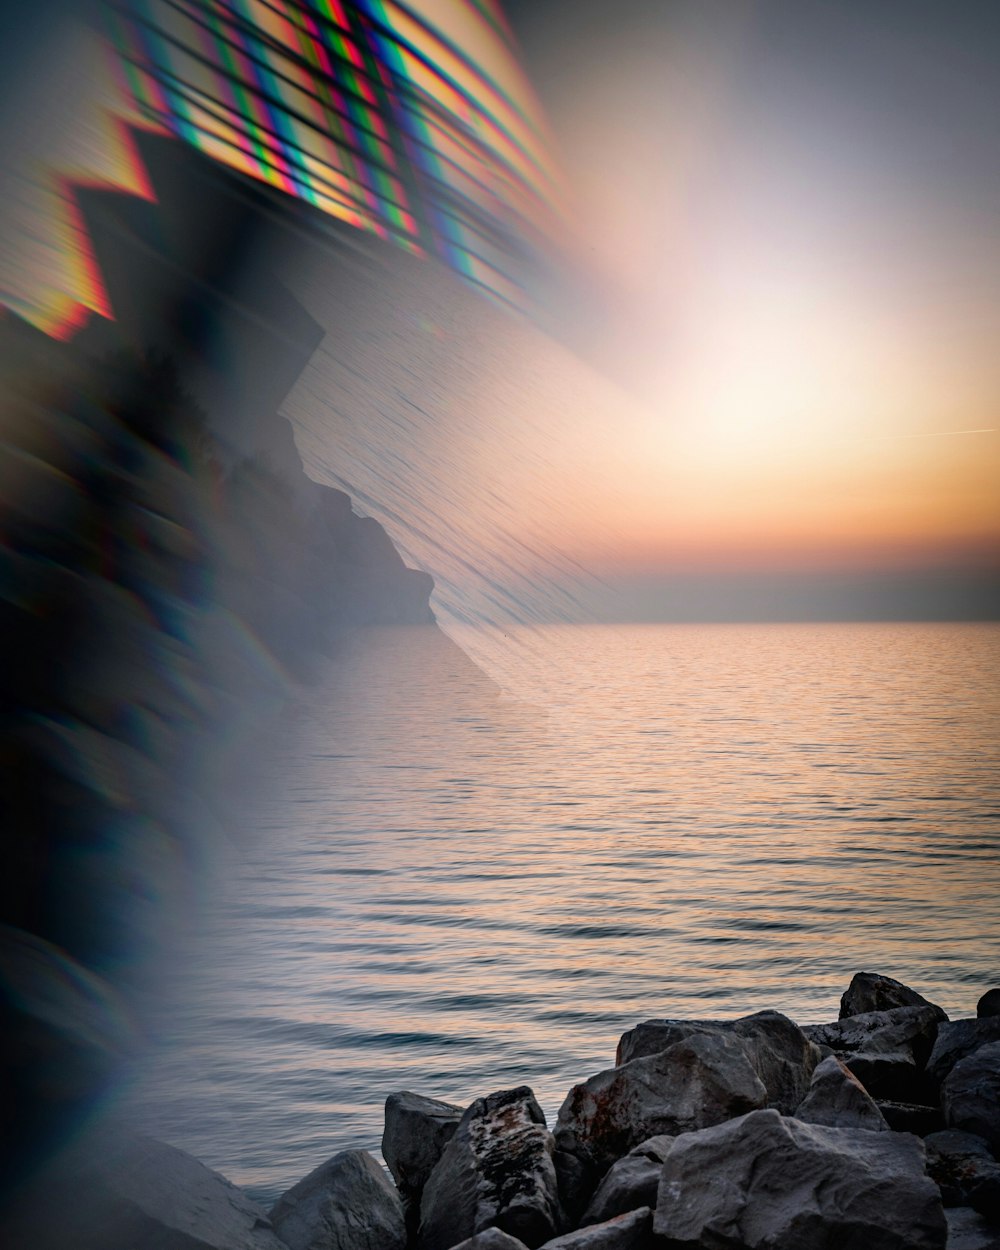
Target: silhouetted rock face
x=622 y=1232
x=116 y=1191
x=765 y=1180
x=837 y=1099
x=967 y=1230
x=496 y=1171
x=631 y=1182
x=347 y=1203
x=870 y=991
x=702 y=1080
x=964 y=1169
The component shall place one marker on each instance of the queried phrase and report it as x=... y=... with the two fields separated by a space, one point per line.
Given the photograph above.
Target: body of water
x=452 y=889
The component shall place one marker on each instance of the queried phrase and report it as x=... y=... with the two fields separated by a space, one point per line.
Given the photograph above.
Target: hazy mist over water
x=452 y=890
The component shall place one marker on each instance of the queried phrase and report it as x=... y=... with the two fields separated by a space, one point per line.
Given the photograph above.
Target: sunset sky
x=772 y=312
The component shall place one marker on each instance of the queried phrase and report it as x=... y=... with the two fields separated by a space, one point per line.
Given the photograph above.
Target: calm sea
x=451 y=889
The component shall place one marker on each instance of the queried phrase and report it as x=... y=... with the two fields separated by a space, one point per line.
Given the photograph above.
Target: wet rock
x=497 y=1171
x=886 y=1050
x=967 y=1230
x=837 y=1099
x=118 y=1191
x=417 y=1129
x=778 y=1050
x=702 y=1080
x=630 y=1231
x=870 y=991
x=965 y=1171
x=347 y=1203
x=769 y=1181
x=630 y=1183
x=989 y=1005
x=491 y=1239
x=970 y=1096
x=911 y=1117
x=957 y=1039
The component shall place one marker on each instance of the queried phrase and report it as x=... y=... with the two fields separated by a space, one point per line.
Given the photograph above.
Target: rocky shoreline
x=878 y=1131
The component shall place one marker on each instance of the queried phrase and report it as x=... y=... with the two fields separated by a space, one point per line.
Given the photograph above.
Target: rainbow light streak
x=423 y=132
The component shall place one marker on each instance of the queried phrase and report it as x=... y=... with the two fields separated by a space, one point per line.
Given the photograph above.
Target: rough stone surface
x=491 y=1239
x=967 y=1230
x=630 y=1183
x=957 y=1039
x=497 y=1171
x=838 y=1099
x=778 y=1050
x=970 y=1096
x=347 y=1203
x=417 y=1129
x=870 y=991
x=769 y=1182
x=965 y=1171
x=116 y=1191
x=702 y=1080
x=911 y=1117
x=989 y=1004
x=886 y=1050
x=630 y=1231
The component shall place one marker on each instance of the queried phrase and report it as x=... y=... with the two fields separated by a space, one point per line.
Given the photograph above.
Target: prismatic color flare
x=414 y=121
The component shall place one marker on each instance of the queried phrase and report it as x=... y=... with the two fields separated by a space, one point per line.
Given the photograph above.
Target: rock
x=837 y=1099
x=911 y=1117
x=347 y=1203
x=630 y=1183
x=497 y=1171
x=870 y=991
x=702 y=1080
x=965 y=1171
x=970 y=1096
x=491 y=1239
x=625 y=1232
x=770 y=1181
x=967 y=1230
x=989 y=1005
x=778 y=1050
x=417 y=1129
x=117 y=1191
x=957 y=1039
x=886 y=1050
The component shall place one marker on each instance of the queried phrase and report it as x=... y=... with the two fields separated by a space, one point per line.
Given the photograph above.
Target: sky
x=765 y=383
x=790 y=215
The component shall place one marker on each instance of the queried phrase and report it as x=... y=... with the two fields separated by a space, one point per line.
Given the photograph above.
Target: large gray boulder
x=624 y=1232
x=965 y=1171
x=769 y=1182
x=417 y=1129
x=886 y=1050
x=116 y=1191
x=970 y=1096
x=957 y=1039
x=778 y=1050
x=837 y=1099
x=702 y=1080
x=497 y=1171
x=630 y=1183
x=347 y=1203
x=967 y=1230
x=871 y=991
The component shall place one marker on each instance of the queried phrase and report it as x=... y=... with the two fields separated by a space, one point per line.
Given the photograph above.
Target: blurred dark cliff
x=170 y=576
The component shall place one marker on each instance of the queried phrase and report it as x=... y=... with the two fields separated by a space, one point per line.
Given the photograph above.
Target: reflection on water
x=453 y=891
